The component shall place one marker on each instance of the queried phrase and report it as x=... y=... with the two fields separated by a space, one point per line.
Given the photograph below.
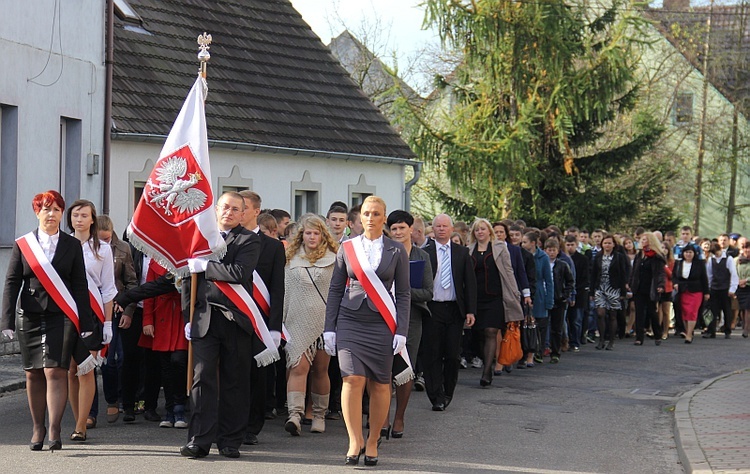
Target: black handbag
x=529 y=336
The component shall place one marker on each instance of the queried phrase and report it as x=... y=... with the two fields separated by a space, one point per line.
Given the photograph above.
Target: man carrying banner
x=222 y=353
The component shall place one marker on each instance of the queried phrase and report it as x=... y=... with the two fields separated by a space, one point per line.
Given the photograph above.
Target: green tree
x=538 y=120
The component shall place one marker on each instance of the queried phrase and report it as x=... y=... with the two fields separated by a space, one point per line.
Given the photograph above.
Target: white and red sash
x=97 y=306
x=48 y=276
x=262 y=297
x=378 y=294
x=238 y=295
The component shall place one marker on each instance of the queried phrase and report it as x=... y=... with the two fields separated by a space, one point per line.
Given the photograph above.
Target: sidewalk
x=712 y=425
x=12 y=376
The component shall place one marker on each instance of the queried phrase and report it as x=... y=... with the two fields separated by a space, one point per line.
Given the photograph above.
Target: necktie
x=223 y=235
x=445 y=268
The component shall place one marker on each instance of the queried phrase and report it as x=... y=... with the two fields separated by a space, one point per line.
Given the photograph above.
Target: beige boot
x=296 y=403
x=319 y=406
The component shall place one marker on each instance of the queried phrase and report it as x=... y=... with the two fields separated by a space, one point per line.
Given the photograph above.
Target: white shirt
x=438 y=292
x=144 y=273
x=686 y=266
x=101 y=271
x=373 y=250
x=734 y=279
x=48 y=243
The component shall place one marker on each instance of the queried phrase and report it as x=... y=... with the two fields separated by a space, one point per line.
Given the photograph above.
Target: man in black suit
x=270 y=268
x=453 y=304
x=222 y=338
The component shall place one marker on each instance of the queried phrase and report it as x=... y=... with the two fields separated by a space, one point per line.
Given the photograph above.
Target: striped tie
x=445 y=268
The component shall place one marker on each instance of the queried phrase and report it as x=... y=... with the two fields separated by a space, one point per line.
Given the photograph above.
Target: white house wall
x=44 y=84
x=272 y=176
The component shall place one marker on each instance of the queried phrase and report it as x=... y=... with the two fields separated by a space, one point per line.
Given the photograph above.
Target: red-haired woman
x=46 y=333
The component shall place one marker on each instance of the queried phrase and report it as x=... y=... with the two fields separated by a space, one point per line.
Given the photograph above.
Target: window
x=8 y=172
x=305 y=196
x=683 y=108
x=234 y=182
x=70 y=158
x=137 y=182
x=359 y=192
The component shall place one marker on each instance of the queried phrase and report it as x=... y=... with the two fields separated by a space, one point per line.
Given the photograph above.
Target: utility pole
x=702 y=134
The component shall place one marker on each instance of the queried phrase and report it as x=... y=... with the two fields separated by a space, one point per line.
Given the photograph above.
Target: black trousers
x=679 y=324
x=257 y=414
x=221 y=384
x=132 y=358
x=441 y=335
x=174 y=377
x=720 y=303
x=645 y=310
x=556 y=321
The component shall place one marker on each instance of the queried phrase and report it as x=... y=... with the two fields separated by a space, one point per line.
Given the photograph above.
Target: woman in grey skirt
x=365 y=336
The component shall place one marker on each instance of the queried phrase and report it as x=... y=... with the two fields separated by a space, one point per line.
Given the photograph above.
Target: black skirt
x=46 y=340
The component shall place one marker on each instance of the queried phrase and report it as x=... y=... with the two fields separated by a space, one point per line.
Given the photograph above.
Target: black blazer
x=243 y=249
x=619 y=272
x=658 y=274
x=270 y=267
x=697 y=280
x=530 y=266
x=464 y=278
x=68 y=261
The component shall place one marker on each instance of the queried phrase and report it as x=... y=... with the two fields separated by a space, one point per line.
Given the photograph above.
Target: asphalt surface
x=595 y=411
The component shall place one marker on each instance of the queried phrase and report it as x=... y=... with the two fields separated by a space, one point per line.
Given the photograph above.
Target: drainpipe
x=417 y=165
x=108 y=63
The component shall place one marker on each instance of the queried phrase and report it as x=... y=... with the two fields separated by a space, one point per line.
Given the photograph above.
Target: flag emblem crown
x=176 y=188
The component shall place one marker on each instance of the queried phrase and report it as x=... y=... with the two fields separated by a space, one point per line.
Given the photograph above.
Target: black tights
x=489 y=348
x=606 y=319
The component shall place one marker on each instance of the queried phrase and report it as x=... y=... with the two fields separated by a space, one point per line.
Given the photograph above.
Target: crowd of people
x=359 y=307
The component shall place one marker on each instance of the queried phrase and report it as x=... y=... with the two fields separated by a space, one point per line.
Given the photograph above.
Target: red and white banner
x=238 y=295
x=378 y=294
x=48 y=276
x=175 y=219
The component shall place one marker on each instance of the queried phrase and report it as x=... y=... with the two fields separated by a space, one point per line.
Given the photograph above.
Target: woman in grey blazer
x=357 y=329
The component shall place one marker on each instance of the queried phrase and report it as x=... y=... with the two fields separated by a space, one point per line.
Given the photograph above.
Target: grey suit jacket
x=393 y=272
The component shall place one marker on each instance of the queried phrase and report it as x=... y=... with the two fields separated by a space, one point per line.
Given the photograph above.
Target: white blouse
x=101 y=271
x=686 y=266
x=373 y=250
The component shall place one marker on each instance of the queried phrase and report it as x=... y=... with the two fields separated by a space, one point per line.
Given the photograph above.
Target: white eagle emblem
x=172 y=192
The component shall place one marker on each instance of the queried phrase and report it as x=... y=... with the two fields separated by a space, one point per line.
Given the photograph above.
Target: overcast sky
x=399 y=20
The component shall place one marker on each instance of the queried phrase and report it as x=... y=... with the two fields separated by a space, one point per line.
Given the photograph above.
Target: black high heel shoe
x=483 y=383
x=371 y=460
x=386 y=432
x=38 y=445
x=55 y=445
x=354 y=460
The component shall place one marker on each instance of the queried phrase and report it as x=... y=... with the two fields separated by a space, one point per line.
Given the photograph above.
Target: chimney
x=676 y=5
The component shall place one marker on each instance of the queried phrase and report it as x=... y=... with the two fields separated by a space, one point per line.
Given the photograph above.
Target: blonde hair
x=477 y=221
x=311 y=221
x=654 y=244
x=377 y=200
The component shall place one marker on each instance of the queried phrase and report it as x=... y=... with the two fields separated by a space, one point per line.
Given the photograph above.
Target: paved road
x=596 y=411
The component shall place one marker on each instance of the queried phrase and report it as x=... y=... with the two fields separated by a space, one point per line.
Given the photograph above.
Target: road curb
x=688 y=449
x=12 y=385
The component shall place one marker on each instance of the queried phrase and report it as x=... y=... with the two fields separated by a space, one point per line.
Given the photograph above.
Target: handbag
x=708 y=316
x=510 y=350
x=529 y=336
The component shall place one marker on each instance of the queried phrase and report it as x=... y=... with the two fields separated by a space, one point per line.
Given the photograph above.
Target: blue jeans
x=575 y=320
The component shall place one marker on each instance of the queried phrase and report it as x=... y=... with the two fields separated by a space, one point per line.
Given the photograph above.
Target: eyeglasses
x=234 y=210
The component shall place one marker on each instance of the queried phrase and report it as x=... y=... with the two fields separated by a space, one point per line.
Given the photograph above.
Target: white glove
x=107 y=332
x=9 y=333
x=197 y=265
x=399 y=342
x=276 y=336
x=187 y=331
x=329 y=339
